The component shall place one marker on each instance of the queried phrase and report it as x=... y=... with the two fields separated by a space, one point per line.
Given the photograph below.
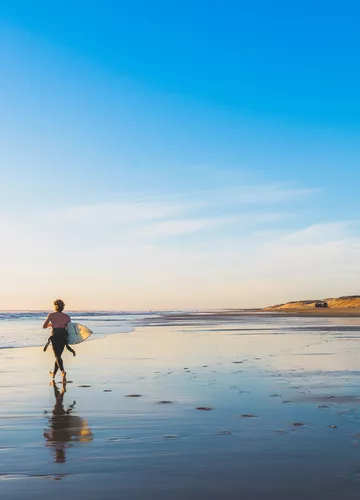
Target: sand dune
x=346 y=302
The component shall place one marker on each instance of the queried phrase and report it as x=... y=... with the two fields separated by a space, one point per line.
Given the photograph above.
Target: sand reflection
x=64 y=427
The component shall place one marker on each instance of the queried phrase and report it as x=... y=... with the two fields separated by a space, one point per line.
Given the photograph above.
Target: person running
x=58 y=321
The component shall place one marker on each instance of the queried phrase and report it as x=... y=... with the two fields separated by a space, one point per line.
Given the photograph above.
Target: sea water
x=24 y=328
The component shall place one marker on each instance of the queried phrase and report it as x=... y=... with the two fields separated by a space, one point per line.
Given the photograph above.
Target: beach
x=185 y=408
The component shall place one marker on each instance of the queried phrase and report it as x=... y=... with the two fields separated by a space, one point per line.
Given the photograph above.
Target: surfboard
x=77 y=333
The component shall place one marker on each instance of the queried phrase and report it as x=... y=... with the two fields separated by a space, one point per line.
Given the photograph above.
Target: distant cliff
x=346 y=302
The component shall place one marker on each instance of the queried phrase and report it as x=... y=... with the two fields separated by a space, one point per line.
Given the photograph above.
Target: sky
x=178 y=155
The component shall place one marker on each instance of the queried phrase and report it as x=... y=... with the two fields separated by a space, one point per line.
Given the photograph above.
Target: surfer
x=58 y=321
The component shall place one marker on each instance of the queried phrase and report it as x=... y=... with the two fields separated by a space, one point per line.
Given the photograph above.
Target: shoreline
x=235 y=313
x=322 y=313
x=198 y=317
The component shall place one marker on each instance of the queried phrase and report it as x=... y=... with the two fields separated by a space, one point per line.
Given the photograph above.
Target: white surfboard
x=77 y=333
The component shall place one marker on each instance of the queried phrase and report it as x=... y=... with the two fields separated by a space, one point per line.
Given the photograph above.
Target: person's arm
x=47 y=323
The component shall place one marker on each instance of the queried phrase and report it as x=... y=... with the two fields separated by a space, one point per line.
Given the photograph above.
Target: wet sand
x=264 y=408
x=346 y=312
x=234 y=314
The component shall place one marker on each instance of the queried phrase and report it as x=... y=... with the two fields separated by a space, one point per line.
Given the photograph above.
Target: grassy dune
x=347 y=302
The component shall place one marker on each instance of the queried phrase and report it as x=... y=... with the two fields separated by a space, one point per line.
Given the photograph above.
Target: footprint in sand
x=171 y=437
x=84 y=386
x=275 y=395
x=298 y=424
x=204 y=408
x=248 y=415
x=107 y=390
x=165 y=402
x=133 y=396
x=224 y=433
x=346 y=412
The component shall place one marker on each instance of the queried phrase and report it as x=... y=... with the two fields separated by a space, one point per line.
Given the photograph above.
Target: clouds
x=243 y=246
x=320 y=260
x=176 y=227
x=321 y=233
x=187 y=213
x=263 y=194
x=130 y=211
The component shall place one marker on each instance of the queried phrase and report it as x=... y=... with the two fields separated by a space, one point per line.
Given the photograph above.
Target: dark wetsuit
x=58 y=340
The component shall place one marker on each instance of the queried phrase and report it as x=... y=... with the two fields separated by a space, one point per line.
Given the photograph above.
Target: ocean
x=24 y=328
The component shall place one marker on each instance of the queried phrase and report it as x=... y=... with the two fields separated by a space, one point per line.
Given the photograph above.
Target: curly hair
x=59 y=305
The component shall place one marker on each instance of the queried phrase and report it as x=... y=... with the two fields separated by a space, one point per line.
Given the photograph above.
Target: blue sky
x=178 y=154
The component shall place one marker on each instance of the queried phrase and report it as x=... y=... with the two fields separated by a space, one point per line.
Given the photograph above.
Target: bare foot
x=52 y=375
x=74 y=354
x=63 y=376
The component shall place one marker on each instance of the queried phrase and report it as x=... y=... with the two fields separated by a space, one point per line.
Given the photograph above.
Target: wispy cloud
x=325 y=250
x=319 y=233
x=175 y=227
x=260 y=194
x=182 y=226
x=130 y=211
x=181 y=214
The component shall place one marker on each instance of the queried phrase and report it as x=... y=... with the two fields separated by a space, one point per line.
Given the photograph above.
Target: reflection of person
x=58 y=321
x=65 y=427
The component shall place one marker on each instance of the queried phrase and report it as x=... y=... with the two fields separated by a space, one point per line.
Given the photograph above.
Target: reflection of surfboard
x=77 y=333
